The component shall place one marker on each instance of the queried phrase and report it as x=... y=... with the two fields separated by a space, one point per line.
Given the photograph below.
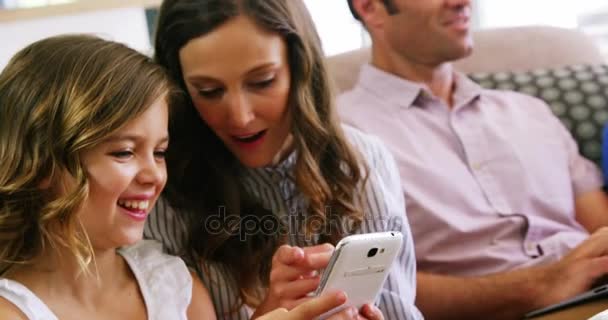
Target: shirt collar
x=397 y=91
x=403 y=93
x=466 y=90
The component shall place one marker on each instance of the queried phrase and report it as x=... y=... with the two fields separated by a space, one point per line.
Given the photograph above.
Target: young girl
x=261 y=172
x=83 y=136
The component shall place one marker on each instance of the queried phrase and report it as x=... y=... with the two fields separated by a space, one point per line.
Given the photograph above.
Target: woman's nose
x=241 y=111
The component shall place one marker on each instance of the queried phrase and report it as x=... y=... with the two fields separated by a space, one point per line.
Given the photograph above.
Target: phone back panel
x=360 y=266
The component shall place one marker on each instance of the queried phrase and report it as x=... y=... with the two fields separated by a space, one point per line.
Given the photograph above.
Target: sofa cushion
x=578 y=95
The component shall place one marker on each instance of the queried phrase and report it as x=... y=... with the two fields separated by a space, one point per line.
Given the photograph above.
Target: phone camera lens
x=372 y=252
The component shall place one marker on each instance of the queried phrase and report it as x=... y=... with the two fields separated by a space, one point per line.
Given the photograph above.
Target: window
x=14 y=4
x=339 y=31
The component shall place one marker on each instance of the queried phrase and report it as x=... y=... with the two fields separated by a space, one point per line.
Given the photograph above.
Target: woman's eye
x=263 y=84
x=211 y=93
x=123 y=154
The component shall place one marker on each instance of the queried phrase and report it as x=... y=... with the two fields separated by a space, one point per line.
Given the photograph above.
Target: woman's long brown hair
x=205 y=177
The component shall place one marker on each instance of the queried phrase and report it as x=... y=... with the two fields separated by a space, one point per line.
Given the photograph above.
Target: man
x=500 y=201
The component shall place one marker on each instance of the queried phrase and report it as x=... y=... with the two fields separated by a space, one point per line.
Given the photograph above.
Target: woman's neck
x=57 y=274
x=284 y=152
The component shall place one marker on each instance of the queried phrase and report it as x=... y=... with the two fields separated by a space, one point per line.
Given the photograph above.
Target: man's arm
x=501 y=296
x=511 y=295
x=592 y=210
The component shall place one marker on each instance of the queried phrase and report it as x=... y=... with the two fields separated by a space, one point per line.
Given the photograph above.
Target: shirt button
x=533 y=250
x=476 y=166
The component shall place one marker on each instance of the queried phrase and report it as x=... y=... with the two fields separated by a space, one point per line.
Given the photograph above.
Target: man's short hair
x=389 y=4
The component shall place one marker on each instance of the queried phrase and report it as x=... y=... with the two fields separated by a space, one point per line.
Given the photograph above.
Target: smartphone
x=359 y=266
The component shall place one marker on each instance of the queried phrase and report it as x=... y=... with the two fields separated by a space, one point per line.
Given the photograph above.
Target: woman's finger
x=318 y=306
x=371 y=312
x=293 y=290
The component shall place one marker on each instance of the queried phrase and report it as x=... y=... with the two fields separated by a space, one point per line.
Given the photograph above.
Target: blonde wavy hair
x=58 y=97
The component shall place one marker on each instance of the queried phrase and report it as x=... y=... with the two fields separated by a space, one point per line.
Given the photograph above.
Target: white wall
x=559 y=13
x=126 y=25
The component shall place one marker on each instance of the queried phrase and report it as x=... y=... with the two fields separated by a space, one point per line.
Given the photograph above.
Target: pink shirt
x=489 y=185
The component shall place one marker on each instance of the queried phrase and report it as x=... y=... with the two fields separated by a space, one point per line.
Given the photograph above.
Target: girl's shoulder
x=8 y=310
x=148 y=258
x=164 y=280
x=18 y=302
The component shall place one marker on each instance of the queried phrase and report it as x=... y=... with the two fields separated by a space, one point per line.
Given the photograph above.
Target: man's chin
x=462 y=52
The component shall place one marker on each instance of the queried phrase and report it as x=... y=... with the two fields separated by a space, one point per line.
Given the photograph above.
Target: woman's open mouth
x=250 y=140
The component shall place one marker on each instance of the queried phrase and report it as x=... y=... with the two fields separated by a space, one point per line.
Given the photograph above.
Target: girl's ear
x=45 y=184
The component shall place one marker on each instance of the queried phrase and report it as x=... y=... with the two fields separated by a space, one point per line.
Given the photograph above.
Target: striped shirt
x=382 y=203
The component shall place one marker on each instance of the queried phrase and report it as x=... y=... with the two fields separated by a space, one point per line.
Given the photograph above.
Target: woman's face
x=238 y=78
x=126 y=173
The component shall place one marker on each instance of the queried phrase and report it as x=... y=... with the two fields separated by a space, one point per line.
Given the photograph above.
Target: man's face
x=430 y=31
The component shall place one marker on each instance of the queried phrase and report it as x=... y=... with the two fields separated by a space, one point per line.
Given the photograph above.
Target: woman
x=262 y=174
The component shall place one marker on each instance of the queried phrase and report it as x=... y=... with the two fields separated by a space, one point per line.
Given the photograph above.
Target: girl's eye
x=211 y=93
x=123 y=154
x=263 y=84
x=160 y=154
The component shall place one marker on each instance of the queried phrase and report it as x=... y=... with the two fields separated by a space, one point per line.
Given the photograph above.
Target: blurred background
x=132 y=21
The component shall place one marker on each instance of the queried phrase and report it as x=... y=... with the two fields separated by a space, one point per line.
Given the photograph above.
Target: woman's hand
x=371 y=312
x=293 y=276
x=367 y=312
x=315 y=307
x=310 y=309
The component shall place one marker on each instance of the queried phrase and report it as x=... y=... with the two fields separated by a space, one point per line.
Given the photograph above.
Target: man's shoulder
x=354 y=97
x=507 y=96
x=358 y=106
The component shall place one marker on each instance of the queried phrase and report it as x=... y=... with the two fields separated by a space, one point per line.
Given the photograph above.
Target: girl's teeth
x=138 y=205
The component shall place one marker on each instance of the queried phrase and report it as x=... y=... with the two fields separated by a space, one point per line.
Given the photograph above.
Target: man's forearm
x=501 y=296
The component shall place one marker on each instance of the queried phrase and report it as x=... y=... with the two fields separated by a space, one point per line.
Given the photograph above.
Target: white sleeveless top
x=164 y=281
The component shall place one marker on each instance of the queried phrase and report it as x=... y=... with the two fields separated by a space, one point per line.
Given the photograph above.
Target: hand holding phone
x=359 y=266
x=294 y=276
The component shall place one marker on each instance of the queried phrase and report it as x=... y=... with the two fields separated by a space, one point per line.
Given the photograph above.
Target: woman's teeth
x=134 y=204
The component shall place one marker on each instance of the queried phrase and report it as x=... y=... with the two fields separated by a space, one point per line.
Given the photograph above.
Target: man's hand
x=577 y=271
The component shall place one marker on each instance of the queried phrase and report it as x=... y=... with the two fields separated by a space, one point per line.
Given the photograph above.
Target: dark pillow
x=578 y=95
